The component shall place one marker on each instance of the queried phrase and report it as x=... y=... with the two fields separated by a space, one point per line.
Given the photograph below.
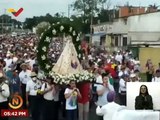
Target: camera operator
x=4 y=94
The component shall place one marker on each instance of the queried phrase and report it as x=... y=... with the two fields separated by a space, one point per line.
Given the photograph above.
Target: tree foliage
x=40 y=28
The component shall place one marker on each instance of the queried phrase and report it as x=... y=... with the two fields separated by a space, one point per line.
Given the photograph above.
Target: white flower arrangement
x=61 y=28
x=44 y=49
x=43 y=57
x=65 y=79
x=54 y=32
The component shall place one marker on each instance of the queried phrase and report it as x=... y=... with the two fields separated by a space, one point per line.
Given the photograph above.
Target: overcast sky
x=41 y=7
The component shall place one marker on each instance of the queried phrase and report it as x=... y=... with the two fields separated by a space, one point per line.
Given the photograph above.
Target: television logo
x=15 y=104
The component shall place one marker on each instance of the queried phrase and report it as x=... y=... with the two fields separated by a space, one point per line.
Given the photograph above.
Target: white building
x=144 y=29
x=116 y=32
x=141 y=29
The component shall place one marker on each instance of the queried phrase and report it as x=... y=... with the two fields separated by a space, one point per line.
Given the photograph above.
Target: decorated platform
x=68 y=65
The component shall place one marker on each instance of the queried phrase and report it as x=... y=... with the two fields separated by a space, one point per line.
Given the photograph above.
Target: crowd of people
x=20 y=74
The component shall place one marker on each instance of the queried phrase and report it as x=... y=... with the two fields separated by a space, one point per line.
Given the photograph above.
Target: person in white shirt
x=4 y=94
x=103 y=90
x=24 y=77
x=8 y=61
x=71 y=95
x=32 y=99
x=157 y=76
x=107 y=111
x=123 y=71
x=119 y=57
x=122 y=88
x=48 y=91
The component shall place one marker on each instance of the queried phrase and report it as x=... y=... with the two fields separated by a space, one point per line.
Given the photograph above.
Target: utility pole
x=2 y=23
x=69 y=8
x=3 y=20
x=91 y=25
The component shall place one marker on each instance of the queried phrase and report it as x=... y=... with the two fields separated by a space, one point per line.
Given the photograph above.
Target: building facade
x=141 y=29
x=144 y=29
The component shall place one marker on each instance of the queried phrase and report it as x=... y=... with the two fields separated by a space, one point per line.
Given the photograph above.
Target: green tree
x=41 y=27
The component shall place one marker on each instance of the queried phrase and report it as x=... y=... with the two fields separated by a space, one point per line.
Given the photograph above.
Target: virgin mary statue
x=68 y=62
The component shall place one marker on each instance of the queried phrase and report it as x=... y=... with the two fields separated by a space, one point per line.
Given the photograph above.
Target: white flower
x=77 y=75
x=74 y=33
x=67 y=82
x=44 y=49
x=79 y=55
x=60 y=82
x=47 y=66
x=50 y=74
x=41 y=34
x=79 y=34
x=54 y=32
x=63 y=80
x=58 y=22
x=77 y=39
x=49 y=27
x=53 y=24
x=79 y=47
x=61 y=28
x=55 y=81
x=43 y=57
x=47 y=39
x=70 y=29
x=91 y=79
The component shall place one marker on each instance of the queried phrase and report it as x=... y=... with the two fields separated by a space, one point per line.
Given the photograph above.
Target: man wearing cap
x=133 y=78
x=122 y=88
x=15 y=83
x=4 y=94
x=157 y=76
x=32 y=99
x=24 y=76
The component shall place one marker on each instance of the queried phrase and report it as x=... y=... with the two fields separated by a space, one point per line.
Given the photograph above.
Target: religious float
x=68 y=65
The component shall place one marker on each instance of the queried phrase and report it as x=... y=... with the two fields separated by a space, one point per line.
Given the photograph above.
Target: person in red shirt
x=83 y=102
